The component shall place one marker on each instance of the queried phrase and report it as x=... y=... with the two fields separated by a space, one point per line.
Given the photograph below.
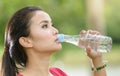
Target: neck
x=37 y=64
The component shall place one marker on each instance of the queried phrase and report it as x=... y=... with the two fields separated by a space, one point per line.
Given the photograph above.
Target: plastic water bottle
x=96 y=42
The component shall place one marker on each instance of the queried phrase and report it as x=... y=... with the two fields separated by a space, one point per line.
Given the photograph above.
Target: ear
x=25 y=42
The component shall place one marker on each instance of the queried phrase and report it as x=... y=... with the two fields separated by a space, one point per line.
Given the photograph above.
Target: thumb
x=88 y=49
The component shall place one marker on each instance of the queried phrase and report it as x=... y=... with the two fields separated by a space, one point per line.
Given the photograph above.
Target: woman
x=30 y=39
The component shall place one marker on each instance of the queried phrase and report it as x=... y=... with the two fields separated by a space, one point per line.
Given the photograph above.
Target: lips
x=56 y=40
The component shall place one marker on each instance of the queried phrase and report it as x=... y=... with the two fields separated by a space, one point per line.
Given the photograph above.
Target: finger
x=93 y=32
x=98 y=33
x=83 y=32
x=89 y=31
x=88 y=49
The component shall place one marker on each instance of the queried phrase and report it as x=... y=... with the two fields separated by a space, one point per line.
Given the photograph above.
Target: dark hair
x=18 y=26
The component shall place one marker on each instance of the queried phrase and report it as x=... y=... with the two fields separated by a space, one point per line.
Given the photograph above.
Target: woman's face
x=42 y=34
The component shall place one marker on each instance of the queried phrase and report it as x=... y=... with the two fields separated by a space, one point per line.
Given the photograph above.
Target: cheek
x=41 y=36
x=38 y=32
x=40 y=41
x=45 y=35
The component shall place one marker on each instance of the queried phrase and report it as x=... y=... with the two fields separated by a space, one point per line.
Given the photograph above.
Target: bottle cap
x=60 y=37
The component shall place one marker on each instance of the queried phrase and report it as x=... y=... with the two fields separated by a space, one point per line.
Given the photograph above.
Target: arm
x=96 y=57
x=97 y=61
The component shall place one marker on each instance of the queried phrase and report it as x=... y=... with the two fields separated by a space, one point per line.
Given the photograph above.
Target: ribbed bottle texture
x=96 y=42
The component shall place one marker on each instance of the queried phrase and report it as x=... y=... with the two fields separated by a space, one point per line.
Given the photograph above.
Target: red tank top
x=54 y=72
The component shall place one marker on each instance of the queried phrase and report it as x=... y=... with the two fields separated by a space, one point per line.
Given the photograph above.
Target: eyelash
x=45 y=26
x=53 y=25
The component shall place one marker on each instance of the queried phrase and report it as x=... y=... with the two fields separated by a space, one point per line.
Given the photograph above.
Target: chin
x=57 y=49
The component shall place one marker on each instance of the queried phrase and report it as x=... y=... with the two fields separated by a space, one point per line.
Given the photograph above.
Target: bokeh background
x=70 y=17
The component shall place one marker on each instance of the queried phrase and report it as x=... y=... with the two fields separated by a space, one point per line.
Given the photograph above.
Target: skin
x=96 y=57
x=43 y=41
x=39 y=46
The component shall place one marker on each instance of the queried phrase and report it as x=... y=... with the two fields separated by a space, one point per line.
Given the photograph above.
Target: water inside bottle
x=101 y=44
x=96 y=42
x=73 y=40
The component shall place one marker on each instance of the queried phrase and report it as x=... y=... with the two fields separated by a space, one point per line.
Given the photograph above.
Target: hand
x=93 y=54
x=90 y=53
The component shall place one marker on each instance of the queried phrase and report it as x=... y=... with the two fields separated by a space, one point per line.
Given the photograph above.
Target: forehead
x=40 y=16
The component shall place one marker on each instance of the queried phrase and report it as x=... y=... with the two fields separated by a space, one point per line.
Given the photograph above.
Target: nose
x=55 y=31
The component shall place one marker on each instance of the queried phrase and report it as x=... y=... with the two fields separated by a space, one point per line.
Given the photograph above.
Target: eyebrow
x=45 y=21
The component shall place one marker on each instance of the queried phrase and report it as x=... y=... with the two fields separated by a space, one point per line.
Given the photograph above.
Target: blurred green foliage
x=68 y=16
